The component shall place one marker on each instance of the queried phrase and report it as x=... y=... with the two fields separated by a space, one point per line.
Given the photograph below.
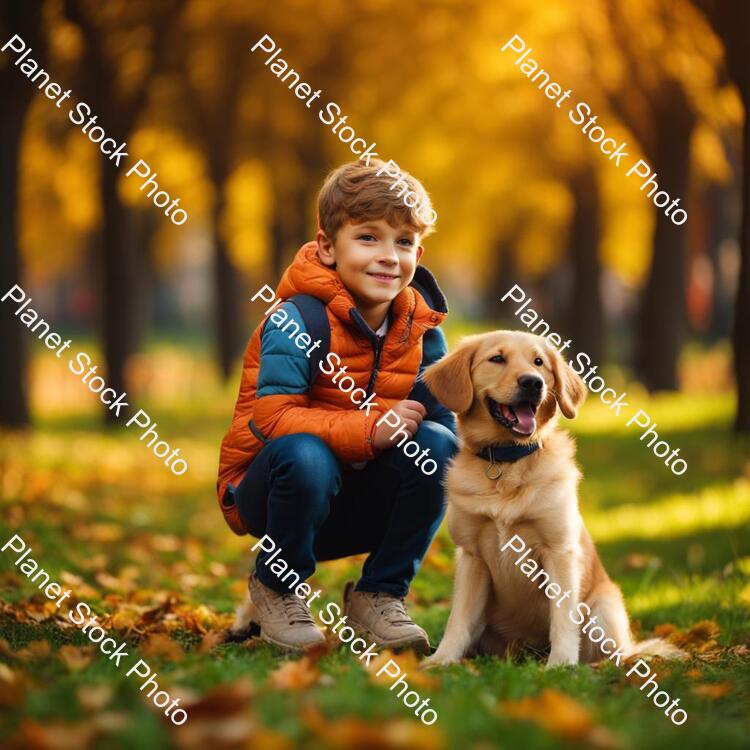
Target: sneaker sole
x=289 y=648
x=420 y=644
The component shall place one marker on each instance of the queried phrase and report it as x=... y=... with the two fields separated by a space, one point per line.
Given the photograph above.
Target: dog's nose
x=531 y=384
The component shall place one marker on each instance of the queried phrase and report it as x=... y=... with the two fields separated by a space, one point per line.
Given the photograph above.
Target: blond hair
x=356 y=192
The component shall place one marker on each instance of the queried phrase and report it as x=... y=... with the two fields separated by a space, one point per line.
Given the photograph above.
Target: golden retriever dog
x=516 y=477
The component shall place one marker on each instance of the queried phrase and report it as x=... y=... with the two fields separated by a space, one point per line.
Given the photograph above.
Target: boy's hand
x=411 y=414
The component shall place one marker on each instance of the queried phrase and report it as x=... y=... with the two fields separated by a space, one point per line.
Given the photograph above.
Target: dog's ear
x=450 y=378
x=569 y=391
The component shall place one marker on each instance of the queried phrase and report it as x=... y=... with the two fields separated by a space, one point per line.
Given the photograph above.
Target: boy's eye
x=366 y=237
x=406 y=241
x=498 y=358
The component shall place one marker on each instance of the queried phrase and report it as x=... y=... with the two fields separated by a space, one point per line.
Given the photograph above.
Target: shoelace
x=392 y=609
x=296 y=610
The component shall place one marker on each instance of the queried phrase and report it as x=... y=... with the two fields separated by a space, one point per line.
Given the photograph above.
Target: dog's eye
x=538 y=362
x=498 y=358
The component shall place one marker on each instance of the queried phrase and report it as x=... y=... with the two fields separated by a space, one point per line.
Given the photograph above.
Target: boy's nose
x=389 y=257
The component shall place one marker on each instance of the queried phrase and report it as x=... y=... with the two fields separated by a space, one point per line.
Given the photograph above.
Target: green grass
x=94 y=503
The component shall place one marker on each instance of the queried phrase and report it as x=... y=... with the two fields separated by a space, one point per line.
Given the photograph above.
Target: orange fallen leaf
x=222 y=700
x=221 y=719
x=699 y=638
x=407 y=662
x=12 y=686
x=664 y=630
x=712 y=690
x=163 y=646
x=350 y=732
x=295 y=675
x=56 y=735
x=34 y=650
x=210 y=641
x=558 y=713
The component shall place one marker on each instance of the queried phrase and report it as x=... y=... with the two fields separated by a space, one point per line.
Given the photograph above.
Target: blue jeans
x=316 y=508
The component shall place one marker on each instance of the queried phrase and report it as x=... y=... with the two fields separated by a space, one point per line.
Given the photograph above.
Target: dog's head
x=505 y=386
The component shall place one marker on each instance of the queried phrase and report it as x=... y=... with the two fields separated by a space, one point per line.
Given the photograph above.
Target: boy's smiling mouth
x=382 y=276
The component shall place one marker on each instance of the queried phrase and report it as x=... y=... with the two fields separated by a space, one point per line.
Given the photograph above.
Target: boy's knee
x=308 y=462
x=443 y=444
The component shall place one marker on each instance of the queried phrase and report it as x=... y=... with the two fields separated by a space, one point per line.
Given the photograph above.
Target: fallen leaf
x=224 y=733
x=222 y=700
x=162 y=646
x=712 y=690
x=408 y=663
x=558 y=713
x=76 y=658
x=664 y=630
x=350 y=732
x=94 y=697
x=220 y=720
x=56 y=735
x=12 y=687
x=295 y=675
x=34 y=650
x=698 y=639
x=210 y=641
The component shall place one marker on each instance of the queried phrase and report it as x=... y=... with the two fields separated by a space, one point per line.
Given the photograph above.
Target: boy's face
x=374 y=260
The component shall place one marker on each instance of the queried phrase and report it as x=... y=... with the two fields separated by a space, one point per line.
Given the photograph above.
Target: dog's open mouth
x=520 y=417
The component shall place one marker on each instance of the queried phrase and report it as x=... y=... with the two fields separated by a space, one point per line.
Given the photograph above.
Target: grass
x=106 y=519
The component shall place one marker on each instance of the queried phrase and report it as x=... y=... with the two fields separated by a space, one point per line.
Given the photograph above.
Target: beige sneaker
x=285 y=619
x=383 y=618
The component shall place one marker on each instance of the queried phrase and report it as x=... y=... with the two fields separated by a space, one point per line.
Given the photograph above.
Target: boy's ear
x=569 y=391
x=450 y=378
x=326 y=251
x=420 y=250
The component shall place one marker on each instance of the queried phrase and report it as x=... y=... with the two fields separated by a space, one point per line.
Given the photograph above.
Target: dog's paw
x=436 y=660
x=560 y=659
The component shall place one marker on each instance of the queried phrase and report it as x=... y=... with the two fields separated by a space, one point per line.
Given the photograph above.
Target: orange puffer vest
x=325 y=410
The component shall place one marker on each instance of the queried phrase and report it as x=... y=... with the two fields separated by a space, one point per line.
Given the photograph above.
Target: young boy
x=304 y=461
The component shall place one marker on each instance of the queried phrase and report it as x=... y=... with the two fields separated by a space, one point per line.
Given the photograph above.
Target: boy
x=302 y=462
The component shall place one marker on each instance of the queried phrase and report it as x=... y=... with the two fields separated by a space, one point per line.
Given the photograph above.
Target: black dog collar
x=499 y=453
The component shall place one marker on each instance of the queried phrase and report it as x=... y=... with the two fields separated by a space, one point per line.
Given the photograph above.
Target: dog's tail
x=656 y=647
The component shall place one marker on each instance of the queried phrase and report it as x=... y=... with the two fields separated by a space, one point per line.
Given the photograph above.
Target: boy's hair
x=356 y=192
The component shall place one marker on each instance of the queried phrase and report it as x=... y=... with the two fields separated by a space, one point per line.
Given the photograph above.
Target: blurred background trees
x=26 y=21
x=522 y=196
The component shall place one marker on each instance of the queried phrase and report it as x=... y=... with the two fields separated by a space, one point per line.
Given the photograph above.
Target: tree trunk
x=661 y=320
x=586 y=313
x=13 y=404
x=502 y=278
x=118 y=282
x=741 y=334
x=25 y=20
x=229 y=317
x=730 y=21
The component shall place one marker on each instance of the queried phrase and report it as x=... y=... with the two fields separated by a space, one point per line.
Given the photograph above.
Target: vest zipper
x=378 y=349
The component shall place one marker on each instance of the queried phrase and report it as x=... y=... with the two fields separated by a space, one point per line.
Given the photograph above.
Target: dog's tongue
x=526 y=419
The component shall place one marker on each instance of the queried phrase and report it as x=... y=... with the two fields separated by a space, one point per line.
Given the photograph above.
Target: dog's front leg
x=471 y=590
x=563 y=566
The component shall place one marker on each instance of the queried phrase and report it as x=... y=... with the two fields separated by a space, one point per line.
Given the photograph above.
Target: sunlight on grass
x=671 y=412
x=720 y=506
x=693 y=597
